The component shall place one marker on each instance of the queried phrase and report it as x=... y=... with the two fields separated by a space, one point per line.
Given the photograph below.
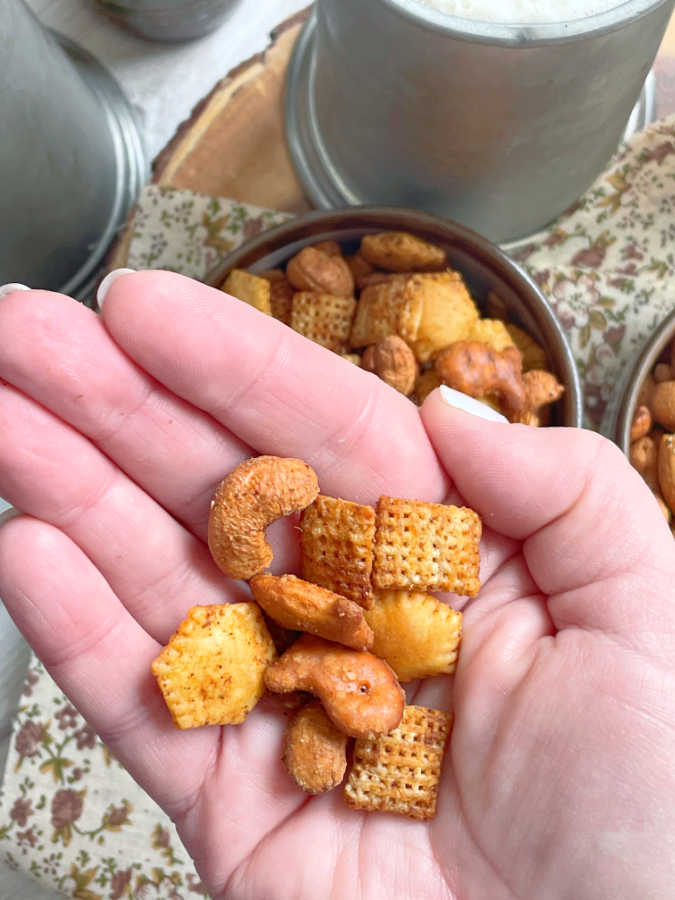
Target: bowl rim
x=645 y=362
x=310 y=227
x=524 y=34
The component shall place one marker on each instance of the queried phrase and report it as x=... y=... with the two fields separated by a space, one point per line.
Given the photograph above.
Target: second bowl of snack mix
x=418 y=300
x=646 y=424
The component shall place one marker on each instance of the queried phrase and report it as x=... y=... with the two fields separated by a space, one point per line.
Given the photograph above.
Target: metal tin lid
x=323 y=183
x=132 y=168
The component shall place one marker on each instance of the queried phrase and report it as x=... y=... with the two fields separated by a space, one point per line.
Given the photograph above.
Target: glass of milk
x=496 y=113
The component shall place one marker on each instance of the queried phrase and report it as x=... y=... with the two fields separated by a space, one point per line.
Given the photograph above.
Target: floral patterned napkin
x=69 y=813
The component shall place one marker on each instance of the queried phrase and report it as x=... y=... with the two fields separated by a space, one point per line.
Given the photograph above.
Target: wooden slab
x=234 y=146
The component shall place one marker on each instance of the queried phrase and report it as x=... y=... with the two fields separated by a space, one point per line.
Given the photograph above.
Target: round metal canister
x=501 y=127
x=71 y=159
x=168 y=20
x=651 y=353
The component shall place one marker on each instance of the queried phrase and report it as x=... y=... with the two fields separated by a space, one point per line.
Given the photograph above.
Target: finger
x=584 y=513
x=57 y=351
x=495 y=552
x=97 y=654
x=500 y=628
x=279 y=392
x=101 y=659
x=176 y=452
x=153 y=564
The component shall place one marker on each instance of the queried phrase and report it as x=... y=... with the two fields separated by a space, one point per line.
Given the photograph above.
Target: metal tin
x=168 y=20
x=484 y=266
x=71 y=158
x=499 y=127
x=648 y=358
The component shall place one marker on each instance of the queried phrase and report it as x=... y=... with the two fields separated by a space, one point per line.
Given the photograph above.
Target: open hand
x=115 y=431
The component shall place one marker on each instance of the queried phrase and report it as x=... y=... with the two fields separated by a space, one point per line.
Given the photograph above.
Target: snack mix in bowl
x=393 y=305
x=646 y=430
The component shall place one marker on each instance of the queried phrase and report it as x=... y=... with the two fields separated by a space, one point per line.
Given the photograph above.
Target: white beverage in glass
x=522 y=11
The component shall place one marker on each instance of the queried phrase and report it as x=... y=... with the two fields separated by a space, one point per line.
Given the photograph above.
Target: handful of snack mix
x=395 y=308
x=359 y=621
x=652 y=434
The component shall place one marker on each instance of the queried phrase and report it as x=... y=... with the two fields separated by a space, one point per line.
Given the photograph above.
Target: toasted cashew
x=644 y=457
x=393 y=361
x=662 y=404
x=359 y=692
x=666 y=469
x=315 y=752
x=314 y=270
x=641 y=424
x=256 y=493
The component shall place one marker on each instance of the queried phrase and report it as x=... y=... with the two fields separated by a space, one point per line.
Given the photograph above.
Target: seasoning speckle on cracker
x=394 y=306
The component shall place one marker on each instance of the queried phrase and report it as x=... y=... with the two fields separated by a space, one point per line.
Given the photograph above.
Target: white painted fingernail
x=104 y=286
x=12 y=286
x=470 y=405
x=8 y=513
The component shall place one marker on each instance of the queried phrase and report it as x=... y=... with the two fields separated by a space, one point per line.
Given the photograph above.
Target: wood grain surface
x=234 y=146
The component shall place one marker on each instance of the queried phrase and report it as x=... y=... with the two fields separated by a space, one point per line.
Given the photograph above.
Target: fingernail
x=470 y=405
x=104 y=286
x=12 y=286
x=7 y=514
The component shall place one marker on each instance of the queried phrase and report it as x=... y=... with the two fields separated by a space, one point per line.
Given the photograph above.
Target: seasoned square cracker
x=399 y=251
x=337 y=547
x=211 y=671
x=249 y=289
x=426 y=546
x=281 y=294
x=492 y=332
x=400 y=772
x=324 y=318
x=446 y=312
x=429 y=310
x=416 y=633
x=534 y=356
x=378 y=312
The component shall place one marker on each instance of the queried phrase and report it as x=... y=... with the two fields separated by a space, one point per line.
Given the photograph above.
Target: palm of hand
x=551 y=677
x=528 y=796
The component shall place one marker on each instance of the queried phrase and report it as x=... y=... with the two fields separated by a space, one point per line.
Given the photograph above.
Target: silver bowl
x=500 y=127
x=648 y=358
x=484 y=266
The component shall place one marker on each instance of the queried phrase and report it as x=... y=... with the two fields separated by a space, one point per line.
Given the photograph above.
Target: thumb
x=583 y=512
